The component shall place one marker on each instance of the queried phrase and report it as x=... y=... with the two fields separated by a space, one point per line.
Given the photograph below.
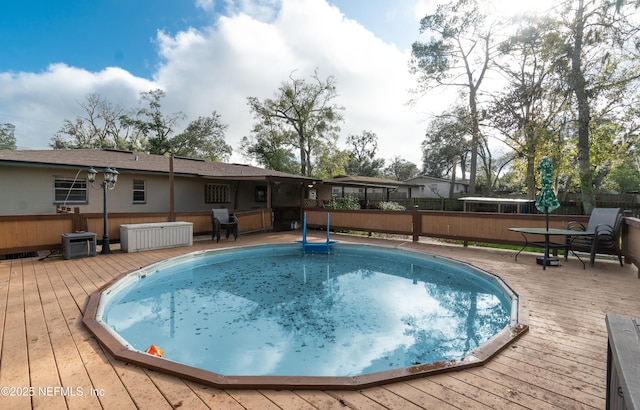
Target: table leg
x=526 y=243
x=546 y=252
x=569 y=241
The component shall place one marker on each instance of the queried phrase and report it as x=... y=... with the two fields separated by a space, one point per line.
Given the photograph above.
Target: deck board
x=559 y=363
x=14 y=368
x=41 y=355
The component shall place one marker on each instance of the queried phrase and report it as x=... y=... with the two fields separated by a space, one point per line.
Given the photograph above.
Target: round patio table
x=569 y=234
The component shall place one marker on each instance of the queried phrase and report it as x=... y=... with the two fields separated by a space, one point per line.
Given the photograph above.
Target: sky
x=210 y=55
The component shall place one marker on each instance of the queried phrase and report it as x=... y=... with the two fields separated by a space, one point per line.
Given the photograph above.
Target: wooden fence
x=463 y=226
x=27 y=233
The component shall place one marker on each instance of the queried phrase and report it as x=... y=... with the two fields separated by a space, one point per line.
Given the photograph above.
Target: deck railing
x=462 y=226
x=25 y=233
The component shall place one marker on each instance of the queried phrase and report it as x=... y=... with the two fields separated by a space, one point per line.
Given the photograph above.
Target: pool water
x=271 y=310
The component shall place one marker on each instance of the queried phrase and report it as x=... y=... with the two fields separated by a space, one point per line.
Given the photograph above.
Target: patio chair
x=220 y=219
x=606 y=226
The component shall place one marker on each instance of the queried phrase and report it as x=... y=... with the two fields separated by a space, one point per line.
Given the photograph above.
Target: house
x=432 y=187
x=50 y=181
x=364 y=188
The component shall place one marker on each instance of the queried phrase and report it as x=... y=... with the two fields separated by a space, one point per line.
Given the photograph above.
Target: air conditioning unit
x=78 y=245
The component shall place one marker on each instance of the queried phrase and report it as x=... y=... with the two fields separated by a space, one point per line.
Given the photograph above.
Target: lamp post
x=109 y=182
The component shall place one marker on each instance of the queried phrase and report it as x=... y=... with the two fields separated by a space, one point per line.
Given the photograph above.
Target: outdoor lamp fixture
x=110 y=179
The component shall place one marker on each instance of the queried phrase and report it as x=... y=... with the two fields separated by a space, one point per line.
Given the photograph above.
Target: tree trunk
x=475 y=130
x=453 y=177
x=531 y=169
x=303 y=157
x=584 y=114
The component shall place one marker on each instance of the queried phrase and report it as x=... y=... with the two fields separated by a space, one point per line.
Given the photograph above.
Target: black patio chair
x=220 y=219
x=606 y=226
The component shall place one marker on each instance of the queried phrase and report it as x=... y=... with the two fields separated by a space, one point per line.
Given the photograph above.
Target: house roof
x=128 y=161
x=360 y=181
x=436 y=179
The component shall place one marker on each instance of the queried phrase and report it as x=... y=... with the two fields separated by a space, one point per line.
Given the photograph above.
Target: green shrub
x=391 y=206
x=346 y=203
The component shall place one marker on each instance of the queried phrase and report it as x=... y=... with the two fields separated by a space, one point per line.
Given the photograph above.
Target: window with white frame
x=216 y=193
x=69 y=190
x=139 y=191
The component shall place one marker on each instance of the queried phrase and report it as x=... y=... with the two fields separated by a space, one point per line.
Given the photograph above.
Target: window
x=139 y=193
x=216 y=193
x=261 y=194
x=69 y=190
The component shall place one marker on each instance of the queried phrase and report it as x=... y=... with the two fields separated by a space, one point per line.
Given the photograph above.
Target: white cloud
x=38 y=103
x=263 y=10
x=206 y=5
x=250 y=52
x=245 y=56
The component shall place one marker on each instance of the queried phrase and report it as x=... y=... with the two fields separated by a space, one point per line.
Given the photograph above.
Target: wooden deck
x=49 y=361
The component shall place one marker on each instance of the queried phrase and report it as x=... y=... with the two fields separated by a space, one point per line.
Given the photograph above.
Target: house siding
x=29 y=190
x=27 y=183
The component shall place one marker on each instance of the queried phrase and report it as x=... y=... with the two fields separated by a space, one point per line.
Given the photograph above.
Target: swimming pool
x=270 y=313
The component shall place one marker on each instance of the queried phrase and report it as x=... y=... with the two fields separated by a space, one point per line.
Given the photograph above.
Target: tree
x=203 y=138
x=7 y=136
x=330 y=161
x=624 y=178
x=602 y=53
x=446 y=139
x=100 y=127
x=303 y=109
x=271 y=147
x=362 y=161
x=526 y=112
x=401 y=169
x=458 y=54
x=155 y=127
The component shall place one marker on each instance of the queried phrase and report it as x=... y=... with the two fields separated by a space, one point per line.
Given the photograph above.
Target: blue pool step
x=315 y=246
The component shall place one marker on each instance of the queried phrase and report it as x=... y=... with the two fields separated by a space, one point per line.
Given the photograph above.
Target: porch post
x=417 y=224
x=172 y=199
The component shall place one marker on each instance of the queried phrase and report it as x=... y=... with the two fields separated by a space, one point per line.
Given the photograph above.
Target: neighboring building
x=366 y=188
x=46 y=181
x=432 y=187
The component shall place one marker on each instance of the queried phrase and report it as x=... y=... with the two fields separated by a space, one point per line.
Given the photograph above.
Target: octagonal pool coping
x=518 y=326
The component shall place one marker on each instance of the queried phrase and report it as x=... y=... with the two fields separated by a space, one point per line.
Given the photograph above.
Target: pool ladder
x=315 y=246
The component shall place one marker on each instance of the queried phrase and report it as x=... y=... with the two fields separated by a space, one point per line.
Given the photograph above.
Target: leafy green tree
x=525 y=112
x=7 y=136
x=203 y=138
x=303 y=109
x=362 y=152
x=329 y=161
x=154 y=126
x=602 y=56
x=271 y=147
x=401 y=169
x=458 y=54
x=624 y=178
x=446 y=139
